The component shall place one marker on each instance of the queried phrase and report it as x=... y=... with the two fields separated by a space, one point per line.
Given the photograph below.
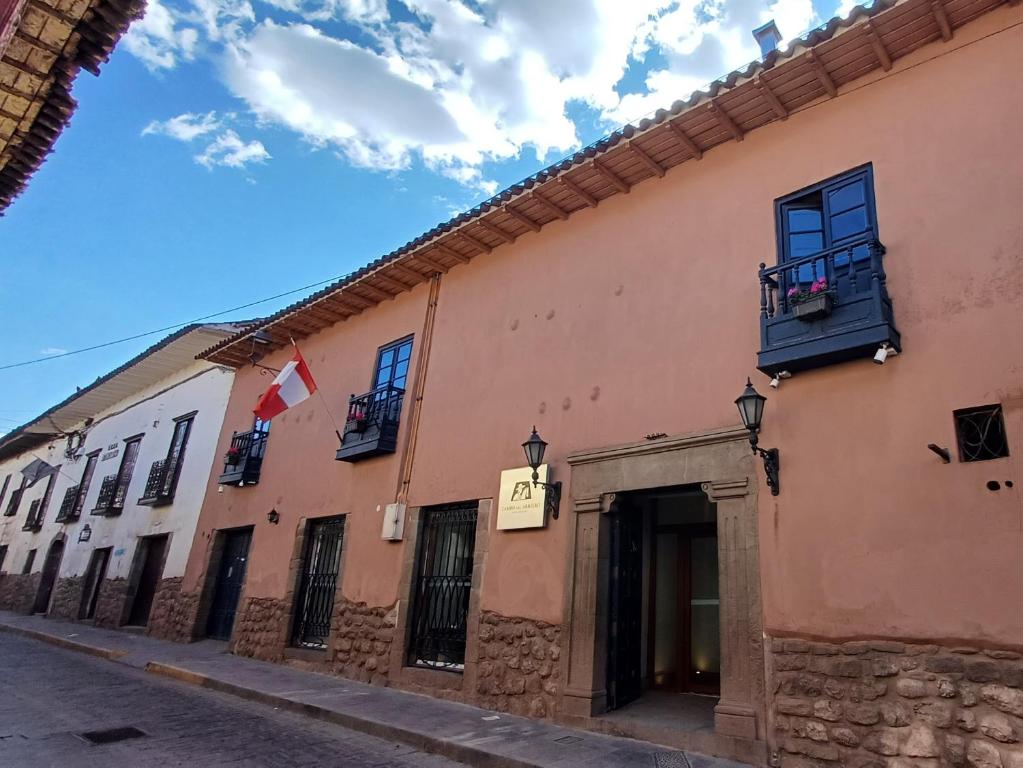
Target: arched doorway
x=49 y=576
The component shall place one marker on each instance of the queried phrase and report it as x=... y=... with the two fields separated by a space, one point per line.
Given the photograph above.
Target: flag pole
x=337 y=430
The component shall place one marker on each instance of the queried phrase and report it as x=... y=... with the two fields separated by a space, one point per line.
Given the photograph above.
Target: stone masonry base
x=173 y=614
x=18 y=591
x=886 y=704
x=67 y=598
x=261 y=628
x=362 y=641
x=518 y=665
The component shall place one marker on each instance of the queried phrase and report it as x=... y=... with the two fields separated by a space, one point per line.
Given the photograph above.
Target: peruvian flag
x=293 y=385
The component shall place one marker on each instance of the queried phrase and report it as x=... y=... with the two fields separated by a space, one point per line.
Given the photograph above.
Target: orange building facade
x=869 y=613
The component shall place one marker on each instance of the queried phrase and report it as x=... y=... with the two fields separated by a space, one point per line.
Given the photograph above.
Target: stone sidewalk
x=463 y=733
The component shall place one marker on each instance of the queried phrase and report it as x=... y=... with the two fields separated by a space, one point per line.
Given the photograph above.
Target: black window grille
x=83 y=487
x=981 y=433
x=442 y=587
x=314 y=605
x=34 y=520
x=3 y=490
x=29 y=560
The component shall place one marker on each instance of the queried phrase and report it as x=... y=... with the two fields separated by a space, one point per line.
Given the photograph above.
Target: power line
x=170 y=327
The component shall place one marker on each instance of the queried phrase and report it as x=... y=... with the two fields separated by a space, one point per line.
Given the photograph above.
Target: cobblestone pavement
x=48 y=695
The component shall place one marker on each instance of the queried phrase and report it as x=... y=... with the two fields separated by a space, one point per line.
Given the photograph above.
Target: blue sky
x=235 y=149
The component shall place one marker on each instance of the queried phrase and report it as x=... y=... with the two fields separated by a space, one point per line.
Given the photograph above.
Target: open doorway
x=664 y=637
x=51 y=566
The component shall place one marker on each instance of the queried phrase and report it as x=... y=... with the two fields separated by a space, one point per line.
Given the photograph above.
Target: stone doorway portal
x=717 y=466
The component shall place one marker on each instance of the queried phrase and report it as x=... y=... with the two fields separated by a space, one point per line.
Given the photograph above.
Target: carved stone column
x=741 y=633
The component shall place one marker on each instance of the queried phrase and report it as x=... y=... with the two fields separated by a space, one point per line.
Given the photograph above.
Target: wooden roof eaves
x=746 y=98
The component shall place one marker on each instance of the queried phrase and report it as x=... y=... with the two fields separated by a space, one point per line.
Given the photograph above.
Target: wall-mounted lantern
x=535 y=448
x=86 y=533
x=751 y=409
x=273 y=516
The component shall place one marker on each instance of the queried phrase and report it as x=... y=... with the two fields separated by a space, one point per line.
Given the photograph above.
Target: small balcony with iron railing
x=13 y=502
x=34 y=521
x=825 y=308
x=69 y=509
x=161 y=484
x=244 y=458
x=371 y=426
x=110 y=501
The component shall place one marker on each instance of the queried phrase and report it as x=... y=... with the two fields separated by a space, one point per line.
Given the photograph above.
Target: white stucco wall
x=201 y=387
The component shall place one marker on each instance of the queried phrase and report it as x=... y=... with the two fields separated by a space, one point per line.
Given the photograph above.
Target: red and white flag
x=293 y=385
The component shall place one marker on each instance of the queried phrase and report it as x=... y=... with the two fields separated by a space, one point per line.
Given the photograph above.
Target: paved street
x=49 y=695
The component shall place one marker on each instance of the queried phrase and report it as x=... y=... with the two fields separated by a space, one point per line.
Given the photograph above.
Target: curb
x=423 y=742
x=61 y=642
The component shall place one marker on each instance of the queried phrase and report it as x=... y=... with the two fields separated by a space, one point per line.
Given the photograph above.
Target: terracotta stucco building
x=868 y=613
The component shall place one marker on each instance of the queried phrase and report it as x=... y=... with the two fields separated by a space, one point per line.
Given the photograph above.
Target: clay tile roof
x=814 y=66
x=43 y=45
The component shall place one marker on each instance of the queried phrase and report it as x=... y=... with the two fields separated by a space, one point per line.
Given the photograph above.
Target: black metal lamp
x=273 y=516
x=751 y=409
x=535 y=447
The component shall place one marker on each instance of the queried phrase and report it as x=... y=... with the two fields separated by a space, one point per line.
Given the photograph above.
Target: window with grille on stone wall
x=321 y=564
x=442 y=587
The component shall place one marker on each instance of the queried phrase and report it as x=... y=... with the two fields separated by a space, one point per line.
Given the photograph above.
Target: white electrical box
x=394 y=522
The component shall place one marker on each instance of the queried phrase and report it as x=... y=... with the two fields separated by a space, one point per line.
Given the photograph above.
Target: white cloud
x=157 y=41
x=229 y=149
x=184 y=127
x=52 y=351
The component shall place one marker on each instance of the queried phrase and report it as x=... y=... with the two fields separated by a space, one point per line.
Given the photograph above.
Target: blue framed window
x=826 y=216
x=392 y=364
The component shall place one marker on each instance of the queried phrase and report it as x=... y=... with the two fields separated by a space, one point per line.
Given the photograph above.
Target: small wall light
x=86 y=533
x=273 y=517
x=751 y=409
x=535 y=447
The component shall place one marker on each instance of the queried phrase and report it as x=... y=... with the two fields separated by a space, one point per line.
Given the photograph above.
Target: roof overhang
x=813 y=67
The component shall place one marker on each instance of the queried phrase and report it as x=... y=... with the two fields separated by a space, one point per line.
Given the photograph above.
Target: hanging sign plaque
x=520 y=504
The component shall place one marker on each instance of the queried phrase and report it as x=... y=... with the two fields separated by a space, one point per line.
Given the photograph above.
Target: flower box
x=813 y=308
x=232 y=457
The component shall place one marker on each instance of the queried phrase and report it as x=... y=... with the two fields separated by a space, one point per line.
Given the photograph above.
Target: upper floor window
x=15 y=500
x=124 y=472
x=3 y=490
x=824 y=218
x=83 y=486
x=392 y=364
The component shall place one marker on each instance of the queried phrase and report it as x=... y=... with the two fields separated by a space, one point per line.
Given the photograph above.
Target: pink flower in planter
x=819 y=286
x=793 y=292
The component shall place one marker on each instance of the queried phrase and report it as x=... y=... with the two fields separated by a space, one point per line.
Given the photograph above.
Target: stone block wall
x=261 y=628
x=18 y=591
x=67 y=598
x=110 y=603
x=362 y=640
x=174 y=612
x=896 y=705
x=519 y=669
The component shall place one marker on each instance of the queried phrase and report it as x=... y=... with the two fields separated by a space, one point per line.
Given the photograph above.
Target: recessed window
x=981 y=433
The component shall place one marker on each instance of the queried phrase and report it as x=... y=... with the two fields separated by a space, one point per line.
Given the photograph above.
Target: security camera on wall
x=885 y=351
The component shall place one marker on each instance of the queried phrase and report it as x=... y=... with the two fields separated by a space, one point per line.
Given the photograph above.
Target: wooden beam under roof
x=476 y=243
x=552 y=207
x=407 y=274
x=389 y=283
x=645 y=158
x=822 y=73
x=436 y=266
x=725 y=120
x=877 y=44
x=353 y=300
x=771 y=98
x=450 y=252
x=578 y=191
x=521 y=218
x=496 y=231
x=683 y=138
x=616 y=181
x=373 y=292
x=940 y=16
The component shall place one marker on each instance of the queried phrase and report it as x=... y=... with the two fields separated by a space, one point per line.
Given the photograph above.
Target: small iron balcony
x=161 y=484
x=849 y=315
x=107 y=503
x=371 y=428
x=67 y=512
x=244 y=458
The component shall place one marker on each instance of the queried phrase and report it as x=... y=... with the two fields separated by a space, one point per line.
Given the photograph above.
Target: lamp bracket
x=552 y=496
x=771 y=467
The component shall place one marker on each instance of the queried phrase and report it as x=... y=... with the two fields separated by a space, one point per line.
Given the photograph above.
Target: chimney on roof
x=768 y=37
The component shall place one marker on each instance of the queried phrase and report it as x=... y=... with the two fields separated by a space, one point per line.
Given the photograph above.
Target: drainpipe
x=422 y=362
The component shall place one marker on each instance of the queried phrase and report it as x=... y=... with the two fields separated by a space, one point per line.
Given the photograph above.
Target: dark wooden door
x=624 y=675
x=228 y=586
x=94 y=576
x=154 y=549
x=49 y=577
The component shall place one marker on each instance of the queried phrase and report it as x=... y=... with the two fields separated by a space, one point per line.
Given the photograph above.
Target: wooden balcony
x=160 y=485
x=107 y=502
x=68 y=511
x=34 y=521
x=850 y=322
x=244 y=458
x=371 y=428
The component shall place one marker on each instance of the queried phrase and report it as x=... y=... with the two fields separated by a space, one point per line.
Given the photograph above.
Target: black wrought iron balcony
x=68 y=509
x=371 y=428
x=244 y=458
x=107 y=501
x=34 y=521
x=161 y=484
x=13 y=502
x=825 y=308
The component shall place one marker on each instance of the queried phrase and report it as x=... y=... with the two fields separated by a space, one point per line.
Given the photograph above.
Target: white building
x=102 y=527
